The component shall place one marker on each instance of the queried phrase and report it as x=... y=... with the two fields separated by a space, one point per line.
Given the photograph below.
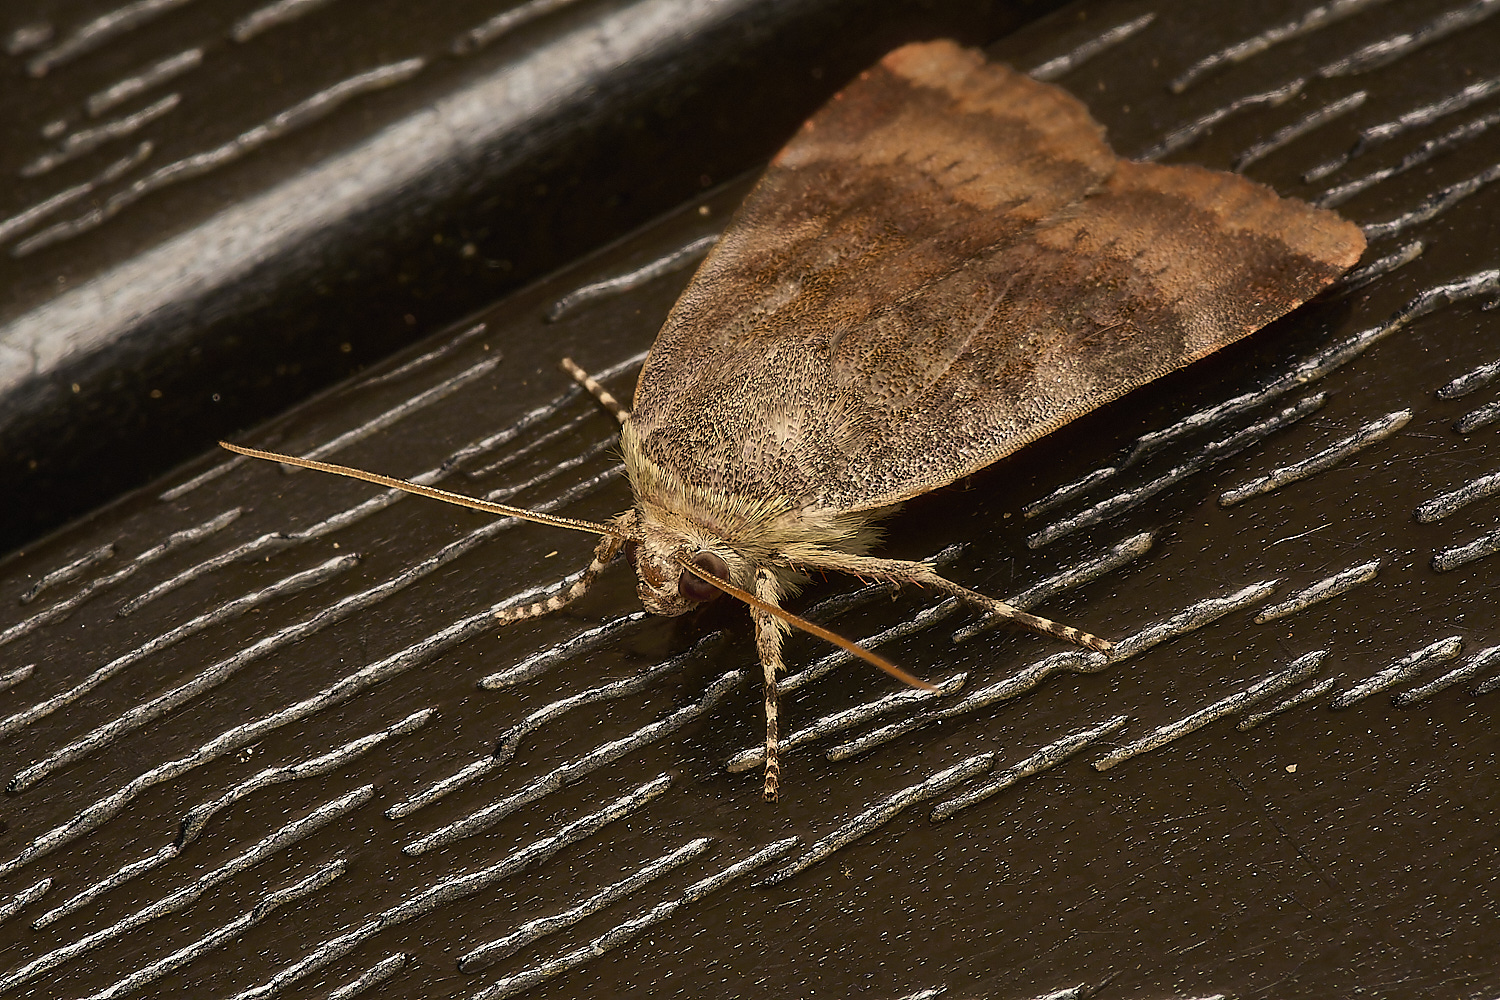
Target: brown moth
x=946 y=263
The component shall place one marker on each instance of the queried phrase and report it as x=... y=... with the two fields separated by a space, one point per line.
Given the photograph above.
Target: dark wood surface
x=1342 y=460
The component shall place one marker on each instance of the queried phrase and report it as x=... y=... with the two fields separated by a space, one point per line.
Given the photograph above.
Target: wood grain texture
x=945 y=264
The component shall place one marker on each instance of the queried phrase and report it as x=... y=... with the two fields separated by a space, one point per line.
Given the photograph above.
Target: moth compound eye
x=695 y=589
x=630 y=548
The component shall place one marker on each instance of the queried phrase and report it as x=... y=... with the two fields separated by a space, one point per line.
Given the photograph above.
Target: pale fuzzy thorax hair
x=761 y=532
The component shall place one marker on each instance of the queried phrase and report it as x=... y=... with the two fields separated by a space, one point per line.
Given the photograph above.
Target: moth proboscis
x=946 y=263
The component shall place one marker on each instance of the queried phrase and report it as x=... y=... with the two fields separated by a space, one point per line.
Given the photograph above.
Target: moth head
x=665 y=585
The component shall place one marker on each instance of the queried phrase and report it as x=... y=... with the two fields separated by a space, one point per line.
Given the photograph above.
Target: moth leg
x=769 y=631
x=609 y=547
x=923 y=575
x=606 y=400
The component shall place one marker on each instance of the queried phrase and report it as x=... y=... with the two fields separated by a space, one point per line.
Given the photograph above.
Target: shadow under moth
x=945 y=263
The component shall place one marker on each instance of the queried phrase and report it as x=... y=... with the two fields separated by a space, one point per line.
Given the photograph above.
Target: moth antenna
x=849 y=645
x=473 y=503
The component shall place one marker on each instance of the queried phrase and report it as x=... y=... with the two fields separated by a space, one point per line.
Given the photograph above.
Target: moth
x=947 y=262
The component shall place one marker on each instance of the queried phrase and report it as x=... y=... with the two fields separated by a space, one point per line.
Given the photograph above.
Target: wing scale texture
x=946 y=263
